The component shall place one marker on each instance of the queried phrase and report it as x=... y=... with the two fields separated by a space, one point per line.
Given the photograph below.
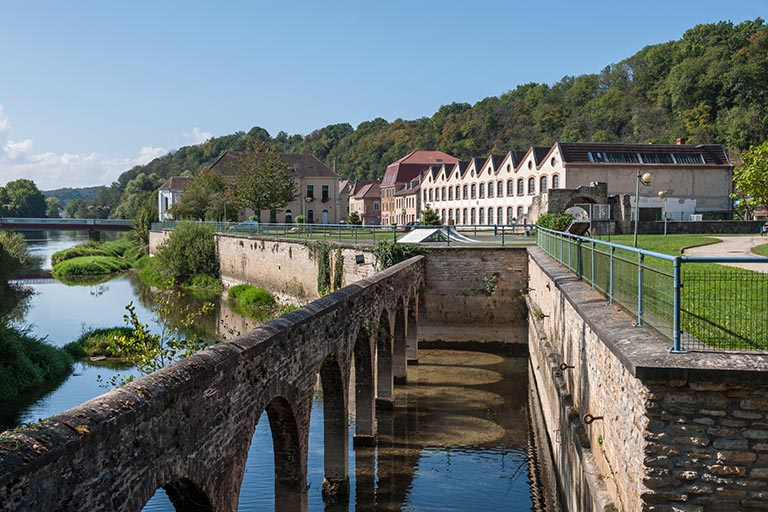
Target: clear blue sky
x=90 y=88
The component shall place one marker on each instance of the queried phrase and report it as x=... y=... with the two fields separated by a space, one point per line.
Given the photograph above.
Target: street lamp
x=647 y=180
x=663 y=195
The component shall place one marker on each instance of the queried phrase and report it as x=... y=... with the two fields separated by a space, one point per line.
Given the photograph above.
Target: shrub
x=251 y=296
x=556 y=221
x=388 y=253
x=115 y=248
x=189 y=250
x=27 y=362
x=96 y=342
x=13 y=253
x=90 y=266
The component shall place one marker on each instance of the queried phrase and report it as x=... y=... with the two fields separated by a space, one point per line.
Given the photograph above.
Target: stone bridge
x=188 y=427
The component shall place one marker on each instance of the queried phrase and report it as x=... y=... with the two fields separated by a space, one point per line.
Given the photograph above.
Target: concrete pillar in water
x=384 y=374
x=411 y=333
x=365 y=413
x=336 y=466
x=399 y=363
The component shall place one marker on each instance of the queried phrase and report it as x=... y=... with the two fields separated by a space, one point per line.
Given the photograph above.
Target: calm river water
x=459 y=438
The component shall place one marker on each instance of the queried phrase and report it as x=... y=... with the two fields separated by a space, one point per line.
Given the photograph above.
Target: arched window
x=500 y=215
x=458 y=192
x=472 y=216
x=510 y=215
x=430 y=196
x=288 y=217
x=520 y=187
x=442 y=216
x=474 y=192
x=543 y=184
x=443 y=197
x=555 y=181
x=450 y=193
x=481 y=216
x=425 y=197
x=531 y=186
x=465 y=192
x=510 y=188
x=482 y=190
x=310 y=217
x=273 y=216
x=490 y=216
x=500 y=189
x=490 y=189
x=464 y=216
x=520 y=214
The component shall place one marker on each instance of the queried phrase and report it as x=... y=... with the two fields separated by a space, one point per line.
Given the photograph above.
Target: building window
x=458 y=192
x=464 y=217
x=310 y=216
x=490 y=215
x=520 y=214
x=555 y=181
x=442 y=217
x=543 y=184
x=325 y=193
x=464 y=196
x=530 y=165
x=310 y=191
x=531 y=186
x=473 y=192
x=510 y=215
x=430 y=195
x=490 y=189
x=482 y=190
x=500 y=215
x=500 y=189
x=520 y=187
x=450 y=193
x=552 y=162
x=481 y=216
x=425 y=197
x=273 y=216
x=288 y=217
x=443 y=196
x=472 y=216
x=508 y=167
x=510 y=188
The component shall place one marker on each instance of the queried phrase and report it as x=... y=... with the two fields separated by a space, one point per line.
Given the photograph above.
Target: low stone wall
x=704 y=227
x=475 y=295
x=672 y=431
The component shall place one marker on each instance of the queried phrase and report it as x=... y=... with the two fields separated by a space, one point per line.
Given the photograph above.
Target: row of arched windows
x=491 y=189
x=483 y=215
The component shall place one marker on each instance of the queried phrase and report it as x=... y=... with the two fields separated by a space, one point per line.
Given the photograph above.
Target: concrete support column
x=365 y=412
x=336 y=481
x=399 y=362
x=411 y=336
x=384 y=375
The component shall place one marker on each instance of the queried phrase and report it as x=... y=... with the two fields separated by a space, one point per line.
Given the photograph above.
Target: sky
x=88 y=89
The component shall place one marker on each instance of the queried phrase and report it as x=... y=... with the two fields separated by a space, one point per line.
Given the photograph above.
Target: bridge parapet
x=187 y=427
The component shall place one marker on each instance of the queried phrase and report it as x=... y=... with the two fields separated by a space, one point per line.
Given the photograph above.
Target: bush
x=27 y=362
x=115 y=248
x=388 y=253
x=96 y=342
x=13 y=253
x=189 y=250
x=251 y=296
x=556 y=221
x=90 y=266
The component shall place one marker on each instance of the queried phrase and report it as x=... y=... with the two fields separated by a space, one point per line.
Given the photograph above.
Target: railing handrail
x=45 y=220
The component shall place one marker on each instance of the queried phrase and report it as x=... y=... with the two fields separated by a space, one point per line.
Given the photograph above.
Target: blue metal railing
x=718 y=308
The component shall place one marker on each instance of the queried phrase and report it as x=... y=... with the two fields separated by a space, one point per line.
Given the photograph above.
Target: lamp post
x=663 y=195
x=647 y=180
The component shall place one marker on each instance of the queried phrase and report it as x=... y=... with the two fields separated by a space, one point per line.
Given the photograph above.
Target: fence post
x=676 y=343
x=610 y=277
x=579 y=261
x=593 y=265
x=640 y=259
x=502 y=236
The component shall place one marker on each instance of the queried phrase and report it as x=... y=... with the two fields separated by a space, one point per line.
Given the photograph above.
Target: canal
x=461 y=435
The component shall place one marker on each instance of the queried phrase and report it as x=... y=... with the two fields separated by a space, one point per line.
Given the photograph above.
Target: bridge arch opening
x=365 y=415
x=335 y=455
x=290 y=466
x=384 y=360
x=183 y=495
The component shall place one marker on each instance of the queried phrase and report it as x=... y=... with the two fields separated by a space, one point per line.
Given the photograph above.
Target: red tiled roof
x=412 y=164
x=175 y=183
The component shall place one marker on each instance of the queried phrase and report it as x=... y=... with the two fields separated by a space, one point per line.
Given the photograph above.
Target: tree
x=262 y=180
x=188 y=251
x=751 y=179
x=52 y=208
x=205 y=198
x=430 y=217
x=354 y=219
x=72 y=208
x=23 y=199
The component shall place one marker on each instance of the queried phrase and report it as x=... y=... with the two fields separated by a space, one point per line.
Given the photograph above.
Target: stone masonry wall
x=684 y=432
x=456 y=304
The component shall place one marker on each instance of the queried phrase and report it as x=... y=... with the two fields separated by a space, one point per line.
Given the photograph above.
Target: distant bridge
x=93 y=226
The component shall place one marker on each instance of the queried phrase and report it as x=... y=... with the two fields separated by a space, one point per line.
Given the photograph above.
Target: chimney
x=680 y=140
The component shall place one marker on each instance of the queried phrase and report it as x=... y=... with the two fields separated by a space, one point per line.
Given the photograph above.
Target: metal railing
x=64 y=222
x=697 y=303
x=359 y=234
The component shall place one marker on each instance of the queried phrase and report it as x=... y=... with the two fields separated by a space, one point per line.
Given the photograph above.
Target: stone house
x=365 y=199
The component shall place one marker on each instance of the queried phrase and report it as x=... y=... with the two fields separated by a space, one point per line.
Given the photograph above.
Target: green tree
x=751 y=179
x=23 y=199
x=430 y=217
x=205 y=198
x=73 y=207
x=354 y=219
x=262 y=180
x=52 y=208
x=188 y=251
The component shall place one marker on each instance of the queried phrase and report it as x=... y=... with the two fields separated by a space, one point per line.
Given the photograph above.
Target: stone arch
x=365 y=413
x=578 y=200
x=384 y=360
x=336 y=465
x=399 y=368
x=290 y=461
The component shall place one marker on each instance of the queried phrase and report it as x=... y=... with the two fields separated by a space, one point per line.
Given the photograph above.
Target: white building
x=169 y=194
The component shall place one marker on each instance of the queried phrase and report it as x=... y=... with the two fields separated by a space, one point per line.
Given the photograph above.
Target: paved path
x=733 y=246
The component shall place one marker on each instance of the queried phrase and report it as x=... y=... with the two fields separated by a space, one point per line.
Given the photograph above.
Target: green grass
x=761 y=250
x=721 y=306
x=90 y=266
x=96 y=342
x=253 y=301
x=27 y=362
x=203 y=286
x=114 y=248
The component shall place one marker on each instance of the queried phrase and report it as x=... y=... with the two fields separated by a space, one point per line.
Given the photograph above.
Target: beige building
x=501 y=188
x=408 y=203
x=365 y=200
x=318 y=199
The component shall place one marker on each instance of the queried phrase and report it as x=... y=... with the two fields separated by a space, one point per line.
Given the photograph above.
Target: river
x=458 y=439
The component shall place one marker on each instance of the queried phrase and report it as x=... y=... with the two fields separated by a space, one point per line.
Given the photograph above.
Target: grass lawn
x=761 y=250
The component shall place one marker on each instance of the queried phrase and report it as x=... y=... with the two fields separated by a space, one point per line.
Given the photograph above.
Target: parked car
x=247 y=226
x=409 y=226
